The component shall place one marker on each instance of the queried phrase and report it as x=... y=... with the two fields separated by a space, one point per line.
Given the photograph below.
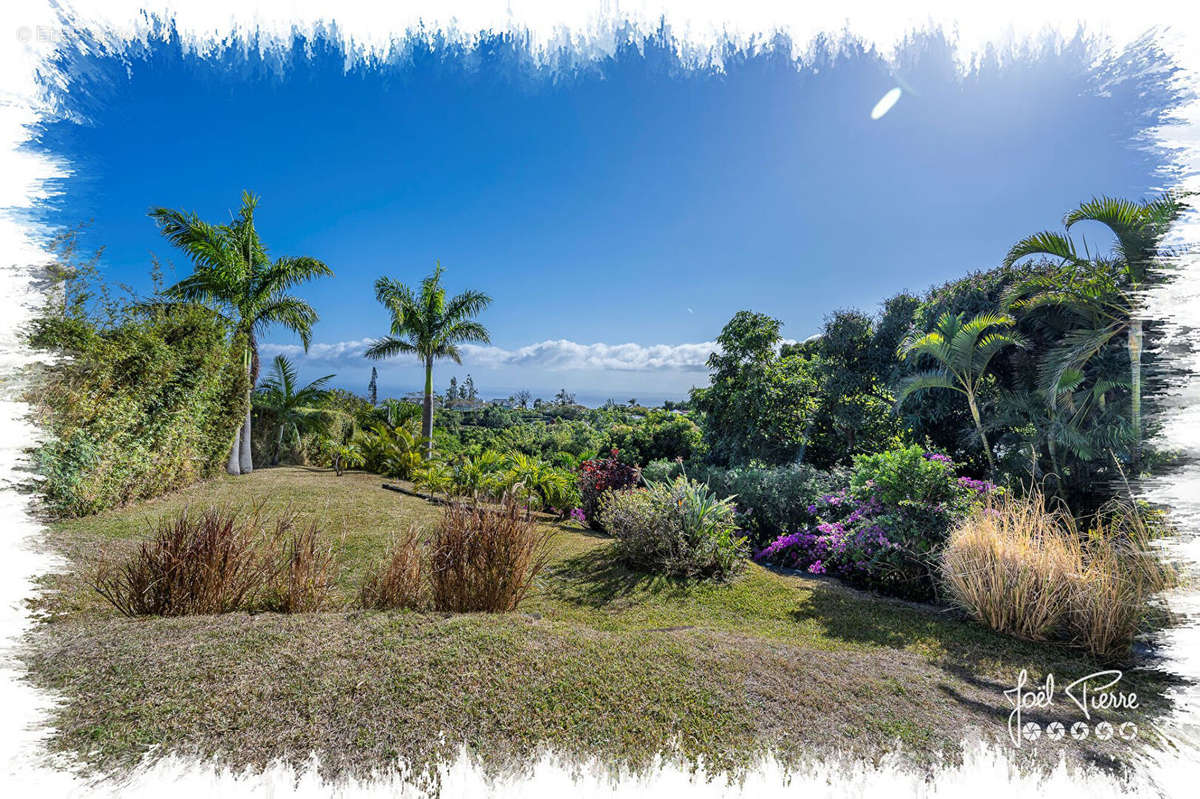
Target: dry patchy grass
x=597 y=659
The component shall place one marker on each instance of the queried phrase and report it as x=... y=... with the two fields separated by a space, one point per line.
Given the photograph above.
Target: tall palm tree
x=428 y=326
x=233 y=274
x=963 y=351
x=1104 y=293
x=293 y=407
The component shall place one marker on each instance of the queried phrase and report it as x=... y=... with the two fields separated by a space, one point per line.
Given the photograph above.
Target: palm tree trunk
x=987 y=449
x=234 y=465
x=427 y=411
x=278 y=446
x=245 y=460
x=1135 y=389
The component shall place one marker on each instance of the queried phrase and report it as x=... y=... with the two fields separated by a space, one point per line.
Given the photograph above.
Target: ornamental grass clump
x=398 y=582
x=677 y=528
x=484 y=558
x=303 y=578
x=1031 y=571
x=209 y=561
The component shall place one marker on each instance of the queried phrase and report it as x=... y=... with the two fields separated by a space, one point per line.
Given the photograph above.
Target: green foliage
x=772 y=500
x=908 y=474
x=680 y=528
x=390 y=451
x=661 y=470
x=429 y=326
x=290 y=407
x=142 y=401
x=759 y=405
x=660 y=435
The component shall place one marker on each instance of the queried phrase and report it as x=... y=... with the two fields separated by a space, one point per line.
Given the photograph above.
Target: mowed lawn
x=598 y=660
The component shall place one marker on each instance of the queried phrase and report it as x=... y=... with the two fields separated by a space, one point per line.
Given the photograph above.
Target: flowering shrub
x=599 y=475
x=883 y=532
x=678 y=528
x=773 y=500
x=910 y=474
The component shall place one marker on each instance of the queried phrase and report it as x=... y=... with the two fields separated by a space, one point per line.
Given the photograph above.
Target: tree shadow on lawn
x=973 y=655
x=597 y=578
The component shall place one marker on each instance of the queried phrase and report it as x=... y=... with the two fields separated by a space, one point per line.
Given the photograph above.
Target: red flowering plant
x=599 y=475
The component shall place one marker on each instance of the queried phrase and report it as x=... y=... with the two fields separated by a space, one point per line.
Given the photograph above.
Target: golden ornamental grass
x=1027 y=570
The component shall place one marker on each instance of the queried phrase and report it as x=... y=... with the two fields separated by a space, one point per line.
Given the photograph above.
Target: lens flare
x=885 y=103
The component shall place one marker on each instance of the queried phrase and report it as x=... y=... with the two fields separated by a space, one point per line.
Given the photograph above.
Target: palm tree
x=233 y=274
x=963 y=351
x=1103 y=292
x=291 y=407
x=430 y=327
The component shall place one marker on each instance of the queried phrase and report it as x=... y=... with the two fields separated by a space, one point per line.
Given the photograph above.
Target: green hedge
x=134 y=407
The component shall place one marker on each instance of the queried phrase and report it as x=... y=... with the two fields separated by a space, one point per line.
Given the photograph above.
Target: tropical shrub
x=772 y=500
x=908 y=474
x=660 y=435
x=657 y=471
x=599 y=475
x=681 y=529
x=399 y=581
x=1030 y=571
x=484 y=558
x=390 y=451
x=883 y=533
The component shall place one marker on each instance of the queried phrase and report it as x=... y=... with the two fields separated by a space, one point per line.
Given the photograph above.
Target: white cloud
x=554 y=355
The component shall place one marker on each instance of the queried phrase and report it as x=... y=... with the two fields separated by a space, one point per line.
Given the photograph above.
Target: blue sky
x=620 y=213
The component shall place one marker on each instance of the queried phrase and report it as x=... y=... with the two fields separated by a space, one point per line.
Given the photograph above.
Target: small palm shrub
x=303 y=578
x=398 y=582
x=211 y=561
x=1029 y=571
x=484 y=558
x=345 y=456
x=679 y=528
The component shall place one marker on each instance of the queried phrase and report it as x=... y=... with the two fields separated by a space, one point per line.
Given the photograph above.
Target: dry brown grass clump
x=399 y=582
x=484 y=558
x=218 y=560
x=1024 y=569
x=209 y=561
x=303 y=579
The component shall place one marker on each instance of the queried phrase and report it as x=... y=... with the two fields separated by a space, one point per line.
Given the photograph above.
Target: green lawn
x=597 y=660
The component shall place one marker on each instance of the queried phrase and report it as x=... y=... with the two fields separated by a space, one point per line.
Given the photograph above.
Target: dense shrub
x=1031 y=572
x=599 y=475
x=660 y=435
x=398 y=582
x=679 y=528
x=772 y=500
x=484 y=558
x=136 y=407
x=885 y=533
x=211 y=561
x=909 y=474
x=658 y=471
